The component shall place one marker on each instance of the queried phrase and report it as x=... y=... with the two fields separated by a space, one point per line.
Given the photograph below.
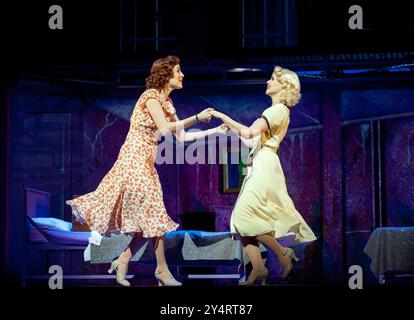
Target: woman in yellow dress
x=264 y=210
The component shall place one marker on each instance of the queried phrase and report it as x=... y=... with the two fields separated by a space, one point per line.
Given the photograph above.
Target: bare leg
x=252 y=249
x=259 y=271
x=121 y=264
x=162 y=273
x=136 y=243
x=269 y=241
x=285 y=255
x=160 y=254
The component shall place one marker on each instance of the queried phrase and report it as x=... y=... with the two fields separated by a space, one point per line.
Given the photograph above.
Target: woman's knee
x=249 y=240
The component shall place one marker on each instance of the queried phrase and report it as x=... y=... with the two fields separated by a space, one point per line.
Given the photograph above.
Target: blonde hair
x=289 y=80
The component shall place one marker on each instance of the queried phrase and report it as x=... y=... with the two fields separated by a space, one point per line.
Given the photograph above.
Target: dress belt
x=273 y=149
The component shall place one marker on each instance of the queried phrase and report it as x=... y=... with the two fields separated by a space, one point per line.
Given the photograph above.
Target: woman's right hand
x=205 y=115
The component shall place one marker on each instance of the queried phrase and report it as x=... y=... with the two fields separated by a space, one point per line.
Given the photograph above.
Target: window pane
x=167 y=20
x=145 y=19
x=274 y=20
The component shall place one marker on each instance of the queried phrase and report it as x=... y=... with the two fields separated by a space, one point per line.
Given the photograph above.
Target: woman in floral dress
x=129 y=198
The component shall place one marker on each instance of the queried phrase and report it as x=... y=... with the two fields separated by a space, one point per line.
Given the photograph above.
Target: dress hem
x=81 y=218
x=298 y=237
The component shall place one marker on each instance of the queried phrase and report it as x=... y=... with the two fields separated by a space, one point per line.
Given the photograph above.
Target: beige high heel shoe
x=255 y=275
x=169 y=282
x=121 y=272
x=287 y=269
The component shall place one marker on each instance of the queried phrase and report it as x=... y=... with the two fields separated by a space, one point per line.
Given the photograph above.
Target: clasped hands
x=208 y=113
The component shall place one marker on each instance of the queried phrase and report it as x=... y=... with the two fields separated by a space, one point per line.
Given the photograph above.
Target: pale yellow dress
x=264 y=204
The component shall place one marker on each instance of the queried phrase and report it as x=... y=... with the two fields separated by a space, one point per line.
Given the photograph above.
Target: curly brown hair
x=161 y=72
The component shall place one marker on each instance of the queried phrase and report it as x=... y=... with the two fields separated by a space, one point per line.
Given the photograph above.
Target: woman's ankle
x=161 y=268
x=282 y=252
x=259 y=267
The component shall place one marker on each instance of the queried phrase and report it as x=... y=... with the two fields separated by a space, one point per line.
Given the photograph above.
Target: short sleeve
x=149 y=94
x=275 y=115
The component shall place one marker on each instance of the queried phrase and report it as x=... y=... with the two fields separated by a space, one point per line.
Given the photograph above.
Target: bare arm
x=257 y=128
x=184 y=136
x=247 y=142
x=166 y=127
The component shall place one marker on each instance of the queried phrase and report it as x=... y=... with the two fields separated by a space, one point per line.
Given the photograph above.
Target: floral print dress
x=129 y=197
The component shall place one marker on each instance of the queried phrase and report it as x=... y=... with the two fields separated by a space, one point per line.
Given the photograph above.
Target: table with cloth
x=391 y=250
